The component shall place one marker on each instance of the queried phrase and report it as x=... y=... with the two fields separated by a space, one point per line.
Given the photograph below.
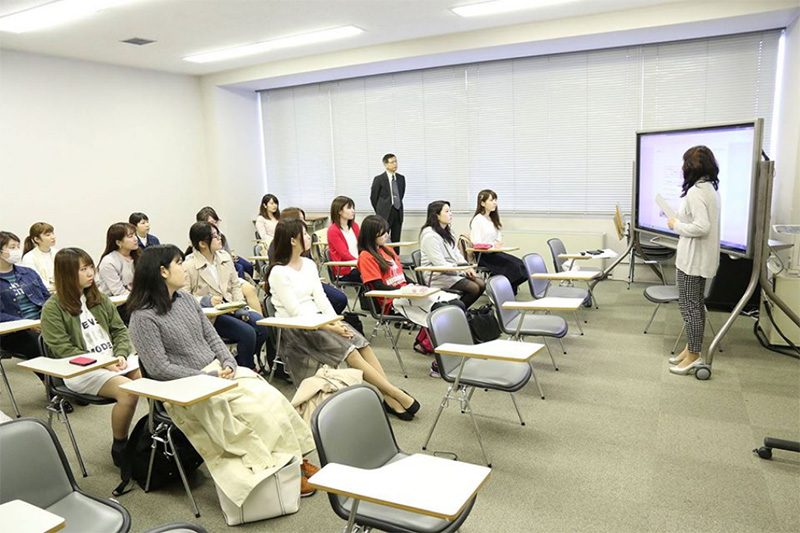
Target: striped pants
x=691 y=299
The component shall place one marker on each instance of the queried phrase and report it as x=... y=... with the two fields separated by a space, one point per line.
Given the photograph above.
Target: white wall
x=82 y=145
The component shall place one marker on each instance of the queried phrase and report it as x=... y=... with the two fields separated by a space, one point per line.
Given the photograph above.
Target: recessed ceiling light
x=284 y=42
x=497 y=7
x=53 y=14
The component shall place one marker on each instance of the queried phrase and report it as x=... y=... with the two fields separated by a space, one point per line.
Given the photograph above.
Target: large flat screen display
x=659 y=158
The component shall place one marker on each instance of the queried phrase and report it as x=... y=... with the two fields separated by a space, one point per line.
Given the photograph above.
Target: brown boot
x=308 y=469
x=305 y=488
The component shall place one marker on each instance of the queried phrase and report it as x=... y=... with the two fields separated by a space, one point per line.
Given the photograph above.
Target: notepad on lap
x=230 y=305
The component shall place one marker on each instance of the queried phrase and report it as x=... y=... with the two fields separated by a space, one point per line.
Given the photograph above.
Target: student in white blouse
x=269 y=213
x=485 y=229
x=40 y=252
x=296 y=290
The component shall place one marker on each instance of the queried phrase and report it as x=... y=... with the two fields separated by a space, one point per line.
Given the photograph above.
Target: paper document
x=665 y=207
x=133 y=364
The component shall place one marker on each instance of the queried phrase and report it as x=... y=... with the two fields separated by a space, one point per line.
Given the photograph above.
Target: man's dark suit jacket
x=381 y=195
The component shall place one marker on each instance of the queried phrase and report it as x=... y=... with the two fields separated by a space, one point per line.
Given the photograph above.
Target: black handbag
x=483 y=324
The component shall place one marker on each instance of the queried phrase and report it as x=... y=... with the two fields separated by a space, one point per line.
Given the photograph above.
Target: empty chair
x=383 y=320
x=60 y=395
x=449 y=324
x=351 y=428
x=519 y=325
x=35 y=470
x=557 y=248
x=534 y=264
x=416 y=260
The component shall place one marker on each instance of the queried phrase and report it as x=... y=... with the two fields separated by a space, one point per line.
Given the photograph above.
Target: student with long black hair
x=211 y=278
x=343 y=237
x=80 y=319
x=293 y=282
x=269 y=213
x=438 y=247
x=115 y=271
x=484 y=228
x=245 y=434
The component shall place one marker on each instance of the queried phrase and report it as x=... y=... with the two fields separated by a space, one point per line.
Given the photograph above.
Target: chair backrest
x=556 y=248
x=269 y=307
x=499 y=290
x=49 y=381
x=463 y=243
x=33 y=464
x=534 y=264
x=416 y=259
x=449 y=324
x=351 y=428
x=158 y=406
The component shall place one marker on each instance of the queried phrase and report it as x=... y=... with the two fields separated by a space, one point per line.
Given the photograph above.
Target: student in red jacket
x=343 y=237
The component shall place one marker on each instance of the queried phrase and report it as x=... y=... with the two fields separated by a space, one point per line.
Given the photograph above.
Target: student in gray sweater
x=176 y=340
x=698 y=249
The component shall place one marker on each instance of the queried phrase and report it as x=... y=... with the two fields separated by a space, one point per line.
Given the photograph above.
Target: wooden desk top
x=211 y=312
x=183 y=391
x=500 y=349
x=608 y=253
x=300 y=322
x=22 y=517
x=119 y=300
x=353 y=263
x=18 y=325
x=493 y=250
x=419 y=483
x=316 y=218
x=404 y=293
x=576 y=275
x=548 y=303
x=400 y=244
x=443 y=268
x=62 y=368
x=258 y=258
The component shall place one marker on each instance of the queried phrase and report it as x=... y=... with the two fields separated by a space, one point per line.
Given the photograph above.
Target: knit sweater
x=177 y=344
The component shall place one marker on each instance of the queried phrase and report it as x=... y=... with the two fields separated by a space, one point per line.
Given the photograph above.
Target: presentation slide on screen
x=659 y=166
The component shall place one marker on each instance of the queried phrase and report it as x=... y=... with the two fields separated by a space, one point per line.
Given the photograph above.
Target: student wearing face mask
x=22 y=296
x=40 y=251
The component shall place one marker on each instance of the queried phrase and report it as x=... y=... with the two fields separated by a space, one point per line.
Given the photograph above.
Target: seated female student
x=438 y=247
x=343 y=237
x=245 y=434
x=22 y=296
x=269 y=213
x=211 y=278
x=485 y=229
x=293 y=282
x=142 y=224
x=381 y=270
x=40 y=251
x=115 y=271
x=80 y=319
x=337 y=298
x=208 y=214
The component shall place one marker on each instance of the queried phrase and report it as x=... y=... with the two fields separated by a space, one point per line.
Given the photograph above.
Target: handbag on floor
x=483 y=324
x=277 y=495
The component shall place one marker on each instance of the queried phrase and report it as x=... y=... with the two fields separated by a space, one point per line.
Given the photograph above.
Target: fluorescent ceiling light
x=497 y=7
x=53 y=14
x=284 y=42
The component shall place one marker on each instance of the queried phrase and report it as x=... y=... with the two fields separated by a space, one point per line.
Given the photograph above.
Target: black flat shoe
x=414 y=407
x=405 y=415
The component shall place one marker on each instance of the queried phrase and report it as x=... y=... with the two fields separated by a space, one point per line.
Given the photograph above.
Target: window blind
x=550 y=134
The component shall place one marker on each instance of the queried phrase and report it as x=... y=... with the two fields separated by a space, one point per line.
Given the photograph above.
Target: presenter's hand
x=671 y=223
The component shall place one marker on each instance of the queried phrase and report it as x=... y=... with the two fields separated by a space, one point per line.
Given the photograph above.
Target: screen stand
x=766 y=170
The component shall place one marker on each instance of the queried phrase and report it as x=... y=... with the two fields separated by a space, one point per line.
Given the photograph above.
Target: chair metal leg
x=680 y=335
x=519 y=414
x=562 y=350
x=536 y=381
x=550 y=353
x=153 y=447
x=578 y=322
x=277 y=356
x=442 y=405
x=591 y=293
x=178 y=463
x=63 y=411
x=465 y=400
x=652 y=317
x=10 y=392
x=394 y=340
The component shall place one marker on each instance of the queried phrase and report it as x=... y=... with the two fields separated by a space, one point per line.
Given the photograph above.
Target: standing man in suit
x=388 y=190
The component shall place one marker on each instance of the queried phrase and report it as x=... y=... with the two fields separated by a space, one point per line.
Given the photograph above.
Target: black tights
x=471 y=289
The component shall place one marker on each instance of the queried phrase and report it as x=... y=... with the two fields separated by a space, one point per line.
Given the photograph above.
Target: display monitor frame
x=732 y=249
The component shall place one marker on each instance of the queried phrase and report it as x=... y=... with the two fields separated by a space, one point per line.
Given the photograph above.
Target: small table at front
x=183 y=392
x=573 y=275
x=546 y=304
x=419 y=483
x=417 y=294
x=22 y=517
x=433 y=269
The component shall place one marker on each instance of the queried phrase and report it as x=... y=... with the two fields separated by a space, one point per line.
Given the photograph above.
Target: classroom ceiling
x=185 y=27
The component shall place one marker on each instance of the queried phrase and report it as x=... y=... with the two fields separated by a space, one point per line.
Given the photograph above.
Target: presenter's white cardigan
x=698 y=225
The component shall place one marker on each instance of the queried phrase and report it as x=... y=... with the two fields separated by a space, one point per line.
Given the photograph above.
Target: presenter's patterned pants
x=691 y=299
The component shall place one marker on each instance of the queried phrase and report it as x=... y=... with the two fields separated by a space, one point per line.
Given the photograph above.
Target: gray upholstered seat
x=351 y=428
x=534 y=264
x=661 y=294
x=548 y=325
x=34 y=469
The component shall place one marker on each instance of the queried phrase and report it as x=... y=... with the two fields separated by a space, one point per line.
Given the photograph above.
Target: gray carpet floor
x=619 y=445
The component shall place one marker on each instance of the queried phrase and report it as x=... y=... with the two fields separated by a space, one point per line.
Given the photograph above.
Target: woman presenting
x=698 y=249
